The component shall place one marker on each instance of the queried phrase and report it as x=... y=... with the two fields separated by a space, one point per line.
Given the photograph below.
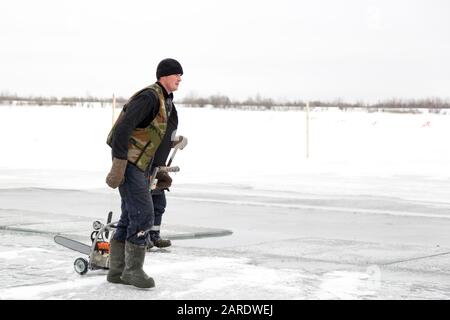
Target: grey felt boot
x=116 y=261
x=134 y=261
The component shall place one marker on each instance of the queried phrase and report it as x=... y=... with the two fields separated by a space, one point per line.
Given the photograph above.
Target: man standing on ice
x=134 y=139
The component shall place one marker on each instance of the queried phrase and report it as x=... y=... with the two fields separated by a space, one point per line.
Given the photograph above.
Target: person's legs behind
x=159 y=204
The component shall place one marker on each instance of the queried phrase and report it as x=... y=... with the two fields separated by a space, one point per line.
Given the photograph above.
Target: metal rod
x=307 y=130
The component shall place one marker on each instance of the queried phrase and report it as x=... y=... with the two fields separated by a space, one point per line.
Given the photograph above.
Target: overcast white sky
x=324 y=49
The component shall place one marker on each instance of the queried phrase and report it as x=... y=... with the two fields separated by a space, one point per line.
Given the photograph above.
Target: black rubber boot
x=162 y=243
x=157 y=241
x=116 y=261
x=134 y=261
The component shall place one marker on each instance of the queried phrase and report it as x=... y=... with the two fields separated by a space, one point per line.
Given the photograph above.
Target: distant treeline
x=45 y=101
x=221 y=101
x=257 y=102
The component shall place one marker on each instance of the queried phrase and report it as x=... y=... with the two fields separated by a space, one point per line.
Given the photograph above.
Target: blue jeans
x=137 y=207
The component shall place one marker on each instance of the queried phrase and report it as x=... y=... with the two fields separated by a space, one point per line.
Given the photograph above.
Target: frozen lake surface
x=366 y=216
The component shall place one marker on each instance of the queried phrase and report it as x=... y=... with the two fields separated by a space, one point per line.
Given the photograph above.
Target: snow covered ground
x=365 y=216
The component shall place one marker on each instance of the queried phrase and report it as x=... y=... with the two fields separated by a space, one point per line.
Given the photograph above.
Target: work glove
x=164 y=180
x=116 y=176
x=180 y=142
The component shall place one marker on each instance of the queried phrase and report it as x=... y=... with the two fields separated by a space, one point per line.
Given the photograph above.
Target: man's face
x=171 y=82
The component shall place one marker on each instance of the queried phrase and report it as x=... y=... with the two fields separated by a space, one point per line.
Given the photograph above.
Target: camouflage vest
x=144 y=142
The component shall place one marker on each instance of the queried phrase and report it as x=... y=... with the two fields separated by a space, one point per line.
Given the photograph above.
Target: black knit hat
x=167 y=67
